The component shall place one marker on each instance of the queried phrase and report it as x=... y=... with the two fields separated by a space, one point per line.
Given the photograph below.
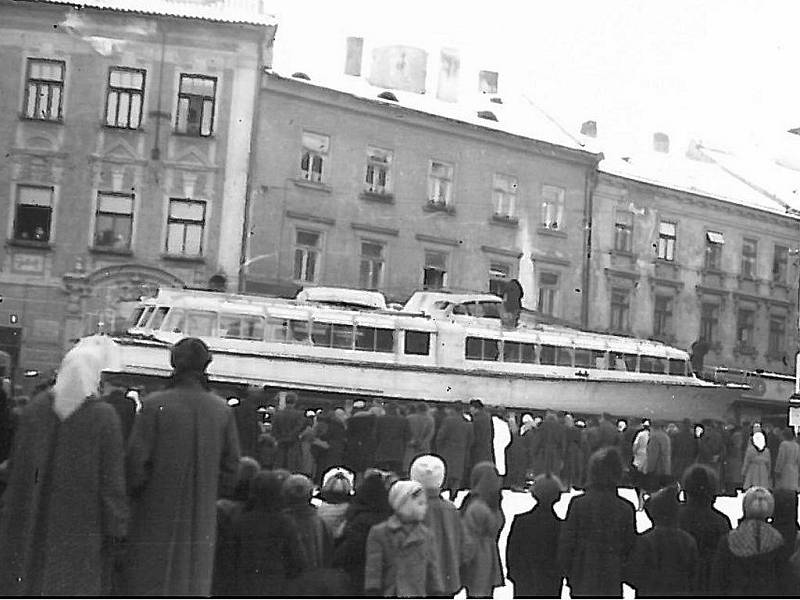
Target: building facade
x=127 y=138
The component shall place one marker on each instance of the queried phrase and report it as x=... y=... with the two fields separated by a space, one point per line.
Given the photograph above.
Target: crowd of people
x=182 y=494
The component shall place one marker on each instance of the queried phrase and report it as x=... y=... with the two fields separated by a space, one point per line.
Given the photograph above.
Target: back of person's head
x=788 y=434
x=429 y=470
x=266 y=490
x=291 y=398
x=371 y=493
x=190 y=355
x=391 y=408
x=248 y=468
x=422 y=407
x=785 y=507
x=758 y=503
x=546 y=489
x=605 y=469
x=297 y=490
x=700 y=482
x=662 y=506
x=486 y=484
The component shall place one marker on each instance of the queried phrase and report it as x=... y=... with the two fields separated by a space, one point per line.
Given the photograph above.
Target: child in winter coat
x=401 y=554
x=665 y=560
x=442 y=519
x=337 y=489
x=532 y=548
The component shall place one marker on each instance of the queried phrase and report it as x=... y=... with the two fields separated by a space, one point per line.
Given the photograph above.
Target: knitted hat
x=546 y=488
x=428 y=470
x=401 y=491
x=297 y=489
x=758 y=503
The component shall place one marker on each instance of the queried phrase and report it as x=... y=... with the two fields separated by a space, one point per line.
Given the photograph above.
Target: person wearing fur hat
x=665 y=559
x=757 y=463
x=64 y=511
x=182 y=454
x=482 y=516
x=442 y=519
x=335 y=495
x=401 y=554
x=532 y=547
x=748 y=561
x=599 y=532
x=698 y=517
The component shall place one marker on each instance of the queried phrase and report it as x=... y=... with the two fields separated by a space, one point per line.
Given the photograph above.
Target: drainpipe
x=588 y=214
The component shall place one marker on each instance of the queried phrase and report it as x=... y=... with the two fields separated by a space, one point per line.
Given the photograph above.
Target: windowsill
x=754 y=280
x=139 y=129
x=115 y=251
x=439 y=207
x=29 y=244
x=192 y=135
x=546 y=231
x=182 y=258
x=709 y=271
x=667 y=261
x=779 y=284
x=384 y=198
x=35 y=120
x=776 y=356
x=623 y=253
x=745 y=350
x=312 y=185
x=507 y=221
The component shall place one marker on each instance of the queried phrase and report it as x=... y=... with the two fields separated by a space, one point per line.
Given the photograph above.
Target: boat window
x=623 y=362
x=417 y=342
x=519 y=352
x=564 y=356
x=482 y=348
x=652 y=364
x=547 y=355
x=321 y=334
x=136 y=315
x=588 y=358
x=158 y=317
x=677 y=366
x=298 y=331
x=174 y=321
x=277 y=329
x=244 y=327
x=373 y=339
x=201 y=323
x=342 y=336
x=146 y=316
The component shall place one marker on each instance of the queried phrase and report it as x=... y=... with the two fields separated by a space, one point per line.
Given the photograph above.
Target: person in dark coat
x=369 y=506
x=710 y=448
x=359 y=451
x=329 y=452
x=516 y=456
x=748 y=560
x=684 y=448
x=392 y=433
x=453 y=442
x=599 y=532
x=482 y=434
x=572 y=473
x=267 y=551
x=421 y=428
x=658 y=467
x=287 y=425
x=698 y=517
x=183 y=454
x=606 y=434
x=625 y=445
x=64 y=513
x=664 y=561
x=532 y=546
x=734 y=455
x=512 y=303
x=122 y=404
x=550 y=442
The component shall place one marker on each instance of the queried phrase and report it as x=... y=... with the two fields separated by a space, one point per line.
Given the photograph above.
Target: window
x=185 y=226
x=243 y=327
x=498 y=276
x=379 y=165
x=548 y=293
x=745 y=327
x=623 y=231
x=372 y=264
x=125 y=96
x=34 y=213
x=780 y=262
x=196 y=99
x=714 y=242
x=332 y=335
x=113 y=221
x=374 y=339
x=440 y=183
x=476 y=348
x=418 y=343
x=620 y=309
x=434 y=274
x=666 y=240
x=709 y=322
x=776 y=345
x=504 y=195
x=662 y=316
x=552 y=207
x=519 y=352
x=315 y=153
x=749 y=258
x=652 y=364
x=307 y=255
x=589 y=358
x=44 y=91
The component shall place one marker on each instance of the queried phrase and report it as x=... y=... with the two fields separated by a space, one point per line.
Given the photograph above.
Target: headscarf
x=759 y=441
x=79 y=374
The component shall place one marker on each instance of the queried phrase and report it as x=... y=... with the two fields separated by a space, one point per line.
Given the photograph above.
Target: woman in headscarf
x=757 y=464
x=64 y=512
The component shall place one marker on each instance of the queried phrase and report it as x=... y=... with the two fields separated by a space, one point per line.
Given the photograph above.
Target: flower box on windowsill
x=383 y=197
x=29 y=244
x=110 y=250
x=184 y=258
x=431 y=206
x=506 y=220
x=312 y=185
x=551 y=232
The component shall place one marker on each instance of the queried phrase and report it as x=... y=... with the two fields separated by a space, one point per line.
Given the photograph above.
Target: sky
x=719 y=71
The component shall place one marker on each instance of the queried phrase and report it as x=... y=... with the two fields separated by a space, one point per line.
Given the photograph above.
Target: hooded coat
x=787 y=466
x=756 y=467
x=748 y=561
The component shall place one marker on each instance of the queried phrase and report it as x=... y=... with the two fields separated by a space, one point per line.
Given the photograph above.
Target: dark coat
x=359 y=453
x=481 y=569
x=684 y=450
x=547 y=447
x=126 y=410
x=482 y=438
x=604 y=435
x=659 y=456
x=516 y=460
x=421 y=429
x=316 y=546
x=706 y=525
x=334 y=434
x=574 y=459
x=183 y=453
x=595 y=543
x=532 y=554
x=734 y=456
x=748 y=562
x=392 y=434
x=65 y=500
x=443 y=520
x=452 y=444
x=229 y=512
x=287 y=426
x=664 y=563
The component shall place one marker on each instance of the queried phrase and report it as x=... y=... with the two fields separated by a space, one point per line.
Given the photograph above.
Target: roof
x=221 y=11
x=516 y=115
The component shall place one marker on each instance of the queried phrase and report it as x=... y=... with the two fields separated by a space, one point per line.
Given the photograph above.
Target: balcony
x=438 y=206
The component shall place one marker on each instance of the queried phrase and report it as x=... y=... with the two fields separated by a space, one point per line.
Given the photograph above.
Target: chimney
x=399 y=68
x=355 y=49
x=661 y=142
x=487 y=82
x=589 y=129
x=449 y=66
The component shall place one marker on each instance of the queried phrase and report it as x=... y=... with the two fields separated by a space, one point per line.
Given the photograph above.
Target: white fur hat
x=401 y=491
x=428 y=470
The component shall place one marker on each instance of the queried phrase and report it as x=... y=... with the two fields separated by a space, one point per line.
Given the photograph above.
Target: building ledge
x=505 y=221
x=557 y=233
x=381 y=198
x=184 y=259
x=439 y=207
x=195 y=136
x=313 y=185
x=27 y=119
x=29 y=244
x=108 y=127
x=113 y=251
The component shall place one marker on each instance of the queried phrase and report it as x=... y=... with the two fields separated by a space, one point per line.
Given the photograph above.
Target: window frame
x=50 y=84
x=186 y=222
x=188 y=96
x=426 y=264
x=713 y=250
x=667 y=243
x=377 y=166
x=749 y=263
x=778 y=349
x=433 y=180
x=130 y=92
x=498 y=272
x=749 y=325
x=620 y=309
x=548 y=288
x=504 y=191
x=783 y=261
x=623 y=231
x=663 y=323
x=372 y=260
x=545 y=221
x=323 y=156
x=296 y=245
x=709 y=322
x=50 y=218
x=98 y=213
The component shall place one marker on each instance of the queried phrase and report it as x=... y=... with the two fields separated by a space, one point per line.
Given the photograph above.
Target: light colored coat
x=755 y=469
x=787 y=466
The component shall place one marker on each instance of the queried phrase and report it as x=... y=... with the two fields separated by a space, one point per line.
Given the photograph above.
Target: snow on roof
x=223 y=11
x=516 y=115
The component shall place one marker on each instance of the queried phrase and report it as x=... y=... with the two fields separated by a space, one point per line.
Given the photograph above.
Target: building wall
x=473 y=239
x=686 y=279
x=62 y=288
